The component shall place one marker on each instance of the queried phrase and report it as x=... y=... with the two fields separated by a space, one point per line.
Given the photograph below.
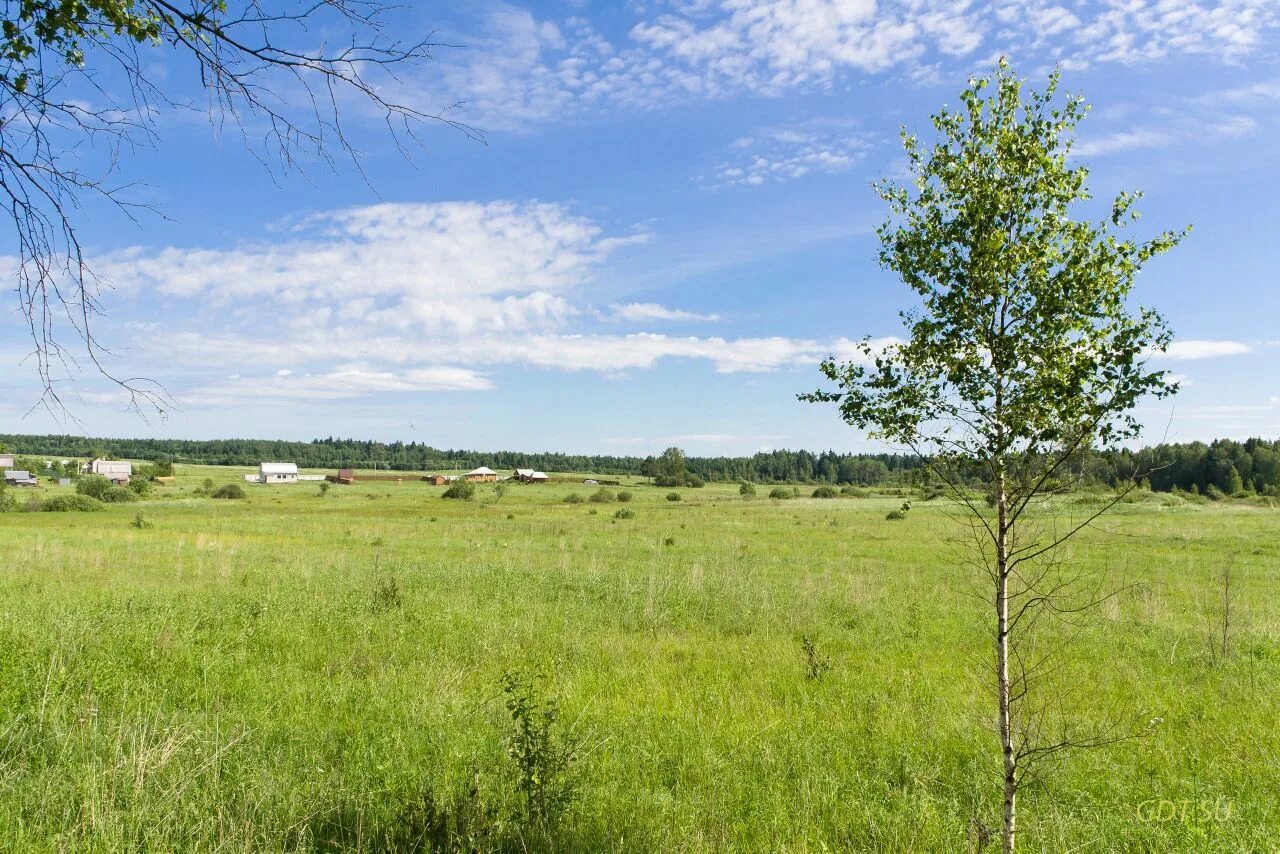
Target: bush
x=1213 y=493
x=747 y=490
x=695 y=481
x=602 y=496
x=673 y=496
x=118 y=495
x=573 y=498
x=624 y=497
x=853 y=492
x=231 y=490
x=825 y=492
x=70 y=503
x=93 y=485
x=780 y=492
x=140 y=486
x=460 y=490
x=895 y=515
x=625 y=513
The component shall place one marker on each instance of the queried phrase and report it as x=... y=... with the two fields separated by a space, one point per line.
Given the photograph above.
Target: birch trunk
x=1010 y=811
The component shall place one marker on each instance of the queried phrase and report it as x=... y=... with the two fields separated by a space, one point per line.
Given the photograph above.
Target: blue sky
x=668 y=225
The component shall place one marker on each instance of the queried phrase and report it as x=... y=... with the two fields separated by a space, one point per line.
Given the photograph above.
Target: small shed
x=115 y=471
x=277 y=472
x=530 y=476
x=18 y=477
x=484 y=474
x=436 y=479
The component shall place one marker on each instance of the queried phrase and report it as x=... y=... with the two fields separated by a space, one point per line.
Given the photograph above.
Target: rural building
x=436 y=479
x=6 y=461
x=113 y=470
x=17 y=477
x=484 y=474
x=277 y=472
x=530 y=476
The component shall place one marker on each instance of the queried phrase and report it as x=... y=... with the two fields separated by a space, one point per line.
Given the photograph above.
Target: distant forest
x=1223 y=465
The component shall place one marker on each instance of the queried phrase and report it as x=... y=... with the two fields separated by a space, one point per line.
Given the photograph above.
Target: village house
x=17 y=477
x=6 y=461
x=436 y=479
x=113 y=470
x=277 y=472
x=530 y=476
x=484 y=474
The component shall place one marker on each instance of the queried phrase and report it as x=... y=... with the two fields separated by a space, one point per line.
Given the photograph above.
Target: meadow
x=309 y=672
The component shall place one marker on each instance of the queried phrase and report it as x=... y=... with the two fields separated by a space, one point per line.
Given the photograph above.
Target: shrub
x=895 y=515
x=118 y=495
x=695 y=481
x=625 y=513
x=624 y=497
x=602 y=496
x=573 y=498
x=69 y=503
x=142 y=522
x=140 y=486
x=541 y=750
x=1213 y=493
x=825 y=492
x=460 y=490
x=853 y=492
x=93 y=485
x=747 y=490
x=673 y=496
x=780 y=492
x=325 y=487
x=230 y=490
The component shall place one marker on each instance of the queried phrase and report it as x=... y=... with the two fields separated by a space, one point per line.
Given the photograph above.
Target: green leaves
x=1024 y=338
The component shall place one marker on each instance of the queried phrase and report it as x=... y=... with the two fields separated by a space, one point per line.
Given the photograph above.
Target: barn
x=484 y=474
x=277 y=472
x=113 y=470
x=17 y=477
x=530 y=476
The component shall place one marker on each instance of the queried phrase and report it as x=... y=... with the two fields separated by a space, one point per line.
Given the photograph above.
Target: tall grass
x=292 y=672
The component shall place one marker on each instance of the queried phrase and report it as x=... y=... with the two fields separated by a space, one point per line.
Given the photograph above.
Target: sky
x=668 y=223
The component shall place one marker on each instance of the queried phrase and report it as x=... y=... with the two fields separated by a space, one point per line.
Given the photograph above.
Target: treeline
x=774 y=466
x=1223 y=465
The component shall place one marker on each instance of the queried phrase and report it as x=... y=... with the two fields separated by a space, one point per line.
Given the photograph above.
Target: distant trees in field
x=1191 y=467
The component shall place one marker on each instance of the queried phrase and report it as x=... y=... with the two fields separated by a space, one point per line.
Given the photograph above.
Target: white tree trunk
x=1010 y=811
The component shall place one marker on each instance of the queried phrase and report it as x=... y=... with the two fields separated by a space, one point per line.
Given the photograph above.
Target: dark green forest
x=1224 y=465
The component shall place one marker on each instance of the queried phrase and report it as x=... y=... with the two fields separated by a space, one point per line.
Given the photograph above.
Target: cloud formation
x=777 y=154
x=522 y=70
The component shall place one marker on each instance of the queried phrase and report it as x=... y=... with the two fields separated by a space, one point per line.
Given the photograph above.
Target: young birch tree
x=1023 y=353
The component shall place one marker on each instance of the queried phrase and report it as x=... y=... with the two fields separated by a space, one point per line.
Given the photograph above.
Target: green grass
x=296 y=672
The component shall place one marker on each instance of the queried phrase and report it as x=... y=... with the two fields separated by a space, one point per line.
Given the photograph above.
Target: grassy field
x=306 y=672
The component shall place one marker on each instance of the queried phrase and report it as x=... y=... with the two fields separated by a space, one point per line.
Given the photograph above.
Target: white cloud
x=1122 y=141
x=1195 y=349
x=336 y=385
x=522 y=70
x=465 y=266
x=641 y=311
x=777 y=154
